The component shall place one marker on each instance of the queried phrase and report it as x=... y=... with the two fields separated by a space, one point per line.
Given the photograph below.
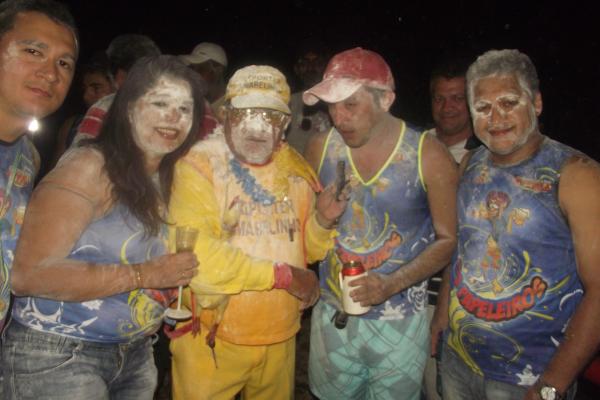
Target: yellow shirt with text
x=242 y=235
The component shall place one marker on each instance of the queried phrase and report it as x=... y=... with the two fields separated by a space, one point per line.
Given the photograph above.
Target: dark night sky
x=562 y=38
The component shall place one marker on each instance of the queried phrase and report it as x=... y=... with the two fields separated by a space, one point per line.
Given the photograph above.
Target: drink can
x=350 y=271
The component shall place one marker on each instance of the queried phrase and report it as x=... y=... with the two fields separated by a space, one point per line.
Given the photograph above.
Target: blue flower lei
x=249 y=185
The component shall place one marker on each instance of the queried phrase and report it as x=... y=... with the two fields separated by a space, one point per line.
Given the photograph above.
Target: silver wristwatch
x=548 y=392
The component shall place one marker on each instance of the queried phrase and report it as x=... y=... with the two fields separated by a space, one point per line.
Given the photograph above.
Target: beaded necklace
x=249 y=185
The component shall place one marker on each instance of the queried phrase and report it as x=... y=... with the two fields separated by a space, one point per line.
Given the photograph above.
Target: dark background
x=560 y=37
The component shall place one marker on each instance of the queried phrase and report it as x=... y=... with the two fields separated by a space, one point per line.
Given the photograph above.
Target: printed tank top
x=117 y=238
x=514 y=279
x=386 y=224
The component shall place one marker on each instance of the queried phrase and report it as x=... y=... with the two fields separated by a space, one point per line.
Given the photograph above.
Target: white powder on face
x=10 y=56
x=256 y=124
x=506 y=106
x=532 y=124
x=12 y=53
x=482 y=108
x=19 y=73
x=162 y=118
x=254 y=139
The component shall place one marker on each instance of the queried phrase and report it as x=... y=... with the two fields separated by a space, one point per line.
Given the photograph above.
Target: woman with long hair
x=92 y=259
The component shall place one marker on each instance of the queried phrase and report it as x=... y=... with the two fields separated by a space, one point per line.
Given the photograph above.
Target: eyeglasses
x=273 y=117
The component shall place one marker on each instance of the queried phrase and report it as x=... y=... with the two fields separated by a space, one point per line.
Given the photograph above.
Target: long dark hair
x=124 y=161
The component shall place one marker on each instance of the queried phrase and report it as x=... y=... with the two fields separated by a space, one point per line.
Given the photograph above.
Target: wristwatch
x=548 y=392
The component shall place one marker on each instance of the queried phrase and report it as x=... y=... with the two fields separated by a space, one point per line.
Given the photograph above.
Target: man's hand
x=372 y=289
x=330 y=207
x=304 y=286
x=439 y=323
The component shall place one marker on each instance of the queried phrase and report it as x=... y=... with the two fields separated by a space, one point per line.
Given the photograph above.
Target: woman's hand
x=168 y=271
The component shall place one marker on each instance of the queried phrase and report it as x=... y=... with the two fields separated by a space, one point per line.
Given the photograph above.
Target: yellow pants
x=258 y=372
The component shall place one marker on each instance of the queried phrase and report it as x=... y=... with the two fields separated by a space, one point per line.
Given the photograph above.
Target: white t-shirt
x=457 y=150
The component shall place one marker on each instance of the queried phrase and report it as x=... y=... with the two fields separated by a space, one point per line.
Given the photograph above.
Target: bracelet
x=137 y=268
x=282 y=276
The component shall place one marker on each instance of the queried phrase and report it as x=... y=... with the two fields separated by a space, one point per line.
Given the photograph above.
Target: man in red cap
x=400 y=224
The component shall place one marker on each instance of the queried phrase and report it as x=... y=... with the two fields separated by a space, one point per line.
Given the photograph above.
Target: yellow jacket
x=240 y=261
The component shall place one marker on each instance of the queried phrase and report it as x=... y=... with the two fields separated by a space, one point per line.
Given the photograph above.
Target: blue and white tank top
x=117 y=238
x=386 y=225
x=514 y=279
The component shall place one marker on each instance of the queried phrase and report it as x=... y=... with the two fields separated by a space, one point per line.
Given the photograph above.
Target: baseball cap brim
x=194 y=59
x=259 y=100
x=331 y=90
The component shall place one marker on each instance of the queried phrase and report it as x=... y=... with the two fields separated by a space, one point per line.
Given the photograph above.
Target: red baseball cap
x=347 y=72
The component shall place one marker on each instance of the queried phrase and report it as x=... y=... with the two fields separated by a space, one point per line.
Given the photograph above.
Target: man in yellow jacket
x=253 y=200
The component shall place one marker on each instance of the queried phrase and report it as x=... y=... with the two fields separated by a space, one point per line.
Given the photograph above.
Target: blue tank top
x=117 y=238
x=386 y=224
x=17 y=173
x=514 y=278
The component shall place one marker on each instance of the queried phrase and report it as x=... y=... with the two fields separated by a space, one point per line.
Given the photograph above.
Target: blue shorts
x=369 y=359
x=39 y=365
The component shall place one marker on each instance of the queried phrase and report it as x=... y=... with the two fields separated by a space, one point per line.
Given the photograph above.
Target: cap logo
x=259 y=84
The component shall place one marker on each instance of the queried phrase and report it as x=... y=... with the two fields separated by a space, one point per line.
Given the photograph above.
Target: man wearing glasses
x=253 y=199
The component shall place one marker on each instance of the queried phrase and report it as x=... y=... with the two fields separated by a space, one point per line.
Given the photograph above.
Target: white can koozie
x=350 y=271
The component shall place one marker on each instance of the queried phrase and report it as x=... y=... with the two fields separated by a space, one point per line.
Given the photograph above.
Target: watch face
x=548 y=393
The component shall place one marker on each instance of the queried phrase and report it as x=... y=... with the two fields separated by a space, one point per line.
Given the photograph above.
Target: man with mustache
x=400 y=224
x=252 y=197
x=522 y=294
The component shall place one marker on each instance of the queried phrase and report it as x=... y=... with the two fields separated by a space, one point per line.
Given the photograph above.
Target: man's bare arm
x=441 y=178
x=579 y=198
x=439 y=322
